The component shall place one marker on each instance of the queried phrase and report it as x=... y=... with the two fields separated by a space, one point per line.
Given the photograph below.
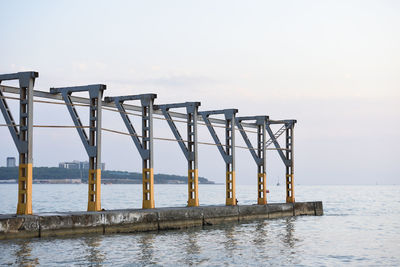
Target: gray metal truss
x=22 y=136
x=190 y=151
x=259 y=120
x=274 y=137
x=92 y=143
x=145 y=147
x=228 y=154
x=191 y=110
x=95 y=96
x=258 y=154
x=27 y=78
x=230 y=133
x=146 y=102
x=288 y=156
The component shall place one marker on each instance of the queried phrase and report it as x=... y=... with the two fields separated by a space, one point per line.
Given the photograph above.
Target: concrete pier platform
x=138 y=220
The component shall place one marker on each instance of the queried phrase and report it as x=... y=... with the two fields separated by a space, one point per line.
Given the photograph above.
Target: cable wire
x=128 y=113
x=128 y=134
x=155 y=116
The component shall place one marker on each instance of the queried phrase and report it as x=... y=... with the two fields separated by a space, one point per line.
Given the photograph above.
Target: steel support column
x=228 y=154
x=92 y=143
x=287 y=157
x=258 y=154
x=290 y=165
x=190 y=151
x=145 y=147
x=22 y=135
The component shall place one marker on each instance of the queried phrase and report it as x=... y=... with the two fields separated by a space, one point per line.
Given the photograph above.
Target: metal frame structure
x=288 y=156
x=258 y=154
x=228 y=154
x=190 y=151
x=22 y=135
x=145 y=147
x=92 y=143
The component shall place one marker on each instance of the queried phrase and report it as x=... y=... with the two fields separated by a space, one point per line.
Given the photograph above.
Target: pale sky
x=332 y=65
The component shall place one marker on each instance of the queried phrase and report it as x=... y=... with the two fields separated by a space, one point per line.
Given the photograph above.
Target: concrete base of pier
x=127 y=221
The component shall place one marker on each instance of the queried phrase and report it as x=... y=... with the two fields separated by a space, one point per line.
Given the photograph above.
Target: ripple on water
x=360 y=227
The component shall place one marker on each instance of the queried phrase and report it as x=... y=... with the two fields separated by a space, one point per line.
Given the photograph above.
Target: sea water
x=360 y=226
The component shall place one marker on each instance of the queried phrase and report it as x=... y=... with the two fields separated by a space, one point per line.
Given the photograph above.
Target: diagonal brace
x=259 y=121
x=277 y=146
x=12 y=127
x=66 y=92
x=190 y=109
x=119 y=101
x=229 y=114
x=24 y=79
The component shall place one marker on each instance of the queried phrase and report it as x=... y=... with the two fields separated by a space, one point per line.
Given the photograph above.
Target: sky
x=332 y=65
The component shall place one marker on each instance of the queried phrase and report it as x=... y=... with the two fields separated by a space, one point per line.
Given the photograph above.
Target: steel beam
x=92 y=143
x=190 y=151
x=282 y=121
x=259 y=154
x=82 y=100
x=145 y=147
x=228 y=154
x=22 y=135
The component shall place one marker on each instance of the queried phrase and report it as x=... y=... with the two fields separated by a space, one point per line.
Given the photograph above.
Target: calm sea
x=360 y=227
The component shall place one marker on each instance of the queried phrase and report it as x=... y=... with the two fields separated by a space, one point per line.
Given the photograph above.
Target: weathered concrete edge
x=138 y=220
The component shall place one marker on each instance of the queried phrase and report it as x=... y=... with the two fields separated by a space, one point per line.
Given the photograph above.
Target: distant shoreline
x=53 y=175
x=104 y=182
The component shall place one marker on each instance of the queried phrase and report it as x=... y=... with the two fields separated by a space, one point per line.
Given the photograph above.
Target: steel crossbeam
x=82 y=100
x=22 y=135
x=145 y=147
x=259 y=154
x=92 y=143
x=190 y=151
x=228 y=154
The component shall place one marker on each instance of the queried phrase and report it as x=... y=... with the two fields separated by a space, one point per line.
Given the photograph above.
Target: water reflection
x=288 y=238
x=261 y=239
x=95 y=255
x=146 y=247
x=192 y=248
x=289 y=241
x=23 y=255
x=230 y=243
x=260 y=234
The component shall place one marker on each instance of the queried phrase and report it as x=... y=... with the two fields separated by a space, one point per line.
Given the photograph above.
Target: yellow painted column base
x=230 y=189
x=262 y=189
x=94 y=195
x=25 y=189
x=289 y=191
x=193 y=179
x=290 y=200
x=148 y=189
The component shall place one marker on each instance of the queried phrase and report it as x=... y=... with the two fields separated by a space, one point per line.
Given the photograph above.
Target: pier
x=140 y=220
x=95 y=220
